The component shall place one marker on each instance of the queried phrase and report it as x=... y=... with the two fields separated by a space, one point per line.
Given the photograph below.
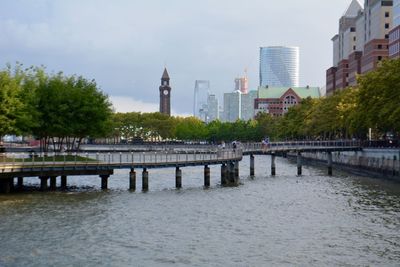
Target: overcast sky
x=125 y=44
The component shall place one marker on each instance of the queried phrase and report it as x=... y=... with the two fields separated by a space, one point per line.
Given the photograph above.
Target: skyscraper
x=279 y=66
x=201 y=92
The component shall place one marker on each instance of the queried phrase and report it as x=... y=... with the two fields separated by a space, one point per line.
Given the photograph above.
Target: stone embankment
x=372 y=162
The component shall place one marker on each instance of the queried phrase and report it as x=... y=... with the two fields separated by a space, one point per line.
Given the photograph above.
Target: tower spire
x=165 y=74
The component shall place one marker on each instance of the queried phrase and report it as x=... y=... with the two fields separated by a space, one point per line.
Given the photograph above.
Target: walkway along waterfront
x=20 y=165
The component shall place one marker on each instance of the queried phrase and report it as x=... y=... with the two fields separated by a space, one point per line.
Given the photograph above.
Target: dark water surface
x=313 y=220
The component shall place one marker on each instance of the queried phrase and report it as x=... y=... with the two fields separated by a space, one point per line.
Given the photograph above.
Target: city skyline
x=126 y=53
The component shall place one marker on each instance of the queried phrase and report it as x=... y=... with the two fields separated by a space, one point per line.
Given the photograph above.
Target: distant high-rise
x=279 y=66
x=242 y=84
x=201 y=92
x=212 y=108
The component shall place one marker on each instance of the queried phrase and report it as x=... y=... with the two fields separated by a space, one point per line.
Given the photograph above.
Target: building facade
x=232 y=106
x=279 y=66
x=247 y=105
x=394 y=35
x=201 y=92
x=362 y=42
x=212 y=108
x=277 y=101
x=165 y=94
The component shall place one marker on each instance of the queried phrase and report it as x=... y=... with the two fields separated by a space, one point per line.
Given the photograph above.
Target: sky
x=125 y=44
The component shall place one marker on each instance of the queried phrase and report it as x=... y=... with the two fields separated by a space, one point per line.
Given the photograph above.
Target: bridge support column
x=145 y=180
x=299 y=164
x=231 y=173
x=224 y=175
x=63 y=182
x=178 y=178
x=236 y=172
x=104 y=181
x=330 y=163
x=20 y=182
x=43 y=183
x=132 y=180
x=12 y=186
x=53 y=183
x=5 y=186
x=206 y=176
x=252 y=165
x=273 y=167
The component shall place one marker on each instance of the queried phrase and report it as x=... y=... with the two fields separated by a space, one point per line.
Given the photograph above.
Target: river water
x=313 y=220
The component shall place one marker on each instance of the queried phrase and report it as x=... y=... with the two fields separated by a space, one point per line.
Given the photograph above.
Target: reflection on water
x=313 y=220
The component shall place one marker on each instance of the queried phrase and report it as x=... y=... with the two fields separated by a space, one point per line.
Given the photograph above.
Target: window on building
x=386 y=36
x=354 y=47
x=386 y=25
x=387 y=14
x=380 y=46
x=379 y=58
x=354 y=38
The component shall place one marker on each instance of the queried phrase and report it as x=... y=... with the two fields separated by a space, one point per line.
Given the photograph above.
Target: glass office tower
x=279 y=66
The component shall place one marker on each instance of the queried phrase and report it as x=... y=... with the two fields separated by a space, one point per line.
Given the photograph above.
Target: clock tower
x=165 y=94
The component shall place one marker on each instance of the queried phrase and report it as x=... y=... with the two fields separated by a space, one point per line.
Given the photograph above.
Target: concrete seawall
x=375 y=163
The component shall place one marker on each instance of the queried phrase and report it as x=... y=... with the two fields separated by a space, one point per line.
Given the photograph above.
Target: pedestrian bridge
x=53 y=165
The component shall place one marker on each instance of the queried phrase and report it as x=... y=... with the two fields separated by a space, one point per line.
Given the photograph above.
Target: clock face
x=165 y=92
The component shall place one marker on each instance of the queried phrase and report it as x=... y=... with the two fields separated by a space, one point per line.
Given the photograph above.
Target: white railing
x=26 y=160
x=277 y=146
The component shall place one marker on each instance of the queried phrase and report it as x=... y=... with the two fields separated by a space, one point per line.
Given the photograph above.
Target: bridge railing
x=119 y=158
x=299 y=145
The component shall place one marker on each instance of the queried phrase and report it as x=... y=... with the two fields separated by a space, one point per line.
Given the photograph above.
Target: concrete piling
x=145 y=180
x=236 y=172
x=53 y=183
x=63 y=182
x=178 y=178
x=20 y=182
x=43 y=183
x=206 y=176
x=273 y=167
x=223 y=175
x=252 y=165
x=104 y=181
x=299 y=164
x=329 y=163
x=132 y=180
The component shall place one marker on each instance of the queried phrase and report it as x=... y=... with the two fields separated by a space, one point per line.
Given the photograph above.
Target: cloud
x=128 y=104
x=124 y=44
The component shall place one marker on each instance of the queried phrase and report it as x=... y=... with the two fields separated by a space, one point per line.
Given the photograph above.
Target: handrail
x=30 y=160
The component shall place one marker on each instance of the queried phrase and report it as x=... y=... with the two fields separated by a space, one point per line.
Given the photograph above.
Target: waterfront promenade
x=53 y=165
